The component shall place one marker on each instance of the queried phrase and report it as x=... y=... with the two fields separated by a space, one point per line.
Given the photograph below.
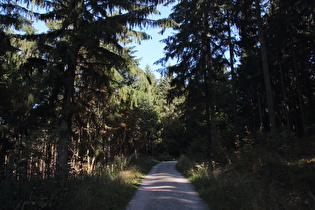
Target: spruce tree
x=196 y=47
x=85 y=40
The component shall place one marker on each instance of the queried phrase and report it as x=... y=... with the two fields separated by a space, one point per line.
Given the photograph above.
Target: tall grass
x=258 y=178
x=107 y=189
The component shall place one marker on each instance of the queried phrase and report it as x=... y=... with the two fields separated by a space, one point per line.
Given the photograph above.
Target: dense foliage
x=245 y=70
x=73 y=98
x=257 y=177
x=252 y=101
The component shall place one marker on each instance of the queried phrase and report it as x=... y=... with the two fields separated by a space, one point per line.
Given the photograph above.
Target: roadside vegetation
x=109 y=188
x=74 y=102
x=257 y=176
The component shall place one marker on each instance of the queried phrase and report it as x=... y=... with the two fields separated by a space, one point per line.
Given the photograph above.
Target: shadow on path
x=165 y=188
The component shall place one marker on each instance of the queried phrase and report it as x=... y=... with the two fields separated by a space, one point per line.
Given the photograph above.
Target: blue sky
x=152 y=50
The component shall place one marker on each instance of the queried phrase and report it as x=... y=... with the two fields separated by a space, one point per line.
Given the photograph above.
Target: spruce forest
x=81 y=123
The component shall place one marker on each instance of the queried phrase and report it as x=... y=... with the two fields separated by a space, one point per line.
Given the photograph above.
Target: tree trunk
x=64 y=140
x=271 y=111
x=108 y=147
x=285 y=100
x=208 y=87
x=3 y=149
x=62 y=167
x=299 y=93
x=231 y=50
x=261 y=124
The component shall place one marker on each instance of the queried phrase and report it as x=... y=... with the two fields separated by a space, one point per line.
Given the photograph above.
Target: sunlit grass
x=132 y=177
x=301 y=161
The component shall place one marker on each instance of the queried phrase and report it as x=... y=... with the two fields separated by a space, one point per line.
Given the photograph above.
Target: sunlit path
x=165 y=188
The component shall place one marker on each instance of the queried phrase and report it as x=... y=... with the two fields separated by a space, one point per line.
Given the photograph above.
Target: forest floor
x=165 y=188
x=281 y=176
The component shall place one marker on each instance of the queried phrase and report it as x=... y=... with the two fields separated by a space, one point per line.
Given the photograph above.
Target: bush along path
x=257 y=177
x=110 y=188
x=165 y=188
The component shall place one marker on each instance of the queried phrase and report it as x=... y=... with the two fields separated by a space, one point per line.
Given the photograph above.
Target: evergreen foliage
x=249 y=100
x=73 y=98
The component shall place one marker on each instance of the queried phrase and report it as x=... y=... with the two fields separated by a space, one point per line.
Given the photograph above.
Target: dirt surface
x=165 y=188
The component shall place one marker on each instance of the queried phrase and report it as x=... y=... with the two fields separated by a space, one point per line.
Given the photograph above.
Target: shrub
x=184 y=164
x=103 y=189
x=260 y=177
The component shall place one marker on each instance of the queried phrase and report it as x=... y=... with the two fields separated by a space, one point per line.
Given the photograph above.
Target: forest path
x=165 y=188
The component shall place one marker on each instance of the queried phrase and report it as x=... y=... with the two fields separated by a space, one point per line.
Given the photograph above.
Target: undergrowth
x=104 y=189
x=257 y=177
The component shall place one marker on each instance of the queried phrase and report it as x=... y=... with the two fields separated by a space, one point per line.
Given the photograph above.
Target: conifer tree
x=85 y=40
x=267 y=78
x=196 y=47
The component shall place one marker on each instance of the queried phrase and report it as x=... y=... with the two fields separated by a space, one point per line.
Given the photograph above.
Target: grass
x=258 y=177
x=110 y=189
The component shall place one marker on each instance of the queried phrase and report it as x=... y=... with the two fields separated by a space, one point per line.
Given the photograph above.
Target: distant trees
x=197 y=49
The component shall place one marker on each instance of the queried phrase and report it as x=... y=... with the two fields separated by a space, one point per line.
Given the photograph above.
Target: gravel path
x=165 y=188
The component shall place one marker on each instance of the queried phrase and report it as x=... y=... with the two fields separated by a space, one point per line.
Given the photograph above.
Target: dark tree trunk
x=299 y=93
x=62 y=167
x=231 y=51
x=285 y=100
x=208 y=87
x=270 y=103
x=261 y=123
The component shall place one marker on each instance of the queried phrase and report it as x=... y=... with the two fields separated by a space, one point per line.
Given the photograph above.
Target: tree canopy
x=73 y=97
